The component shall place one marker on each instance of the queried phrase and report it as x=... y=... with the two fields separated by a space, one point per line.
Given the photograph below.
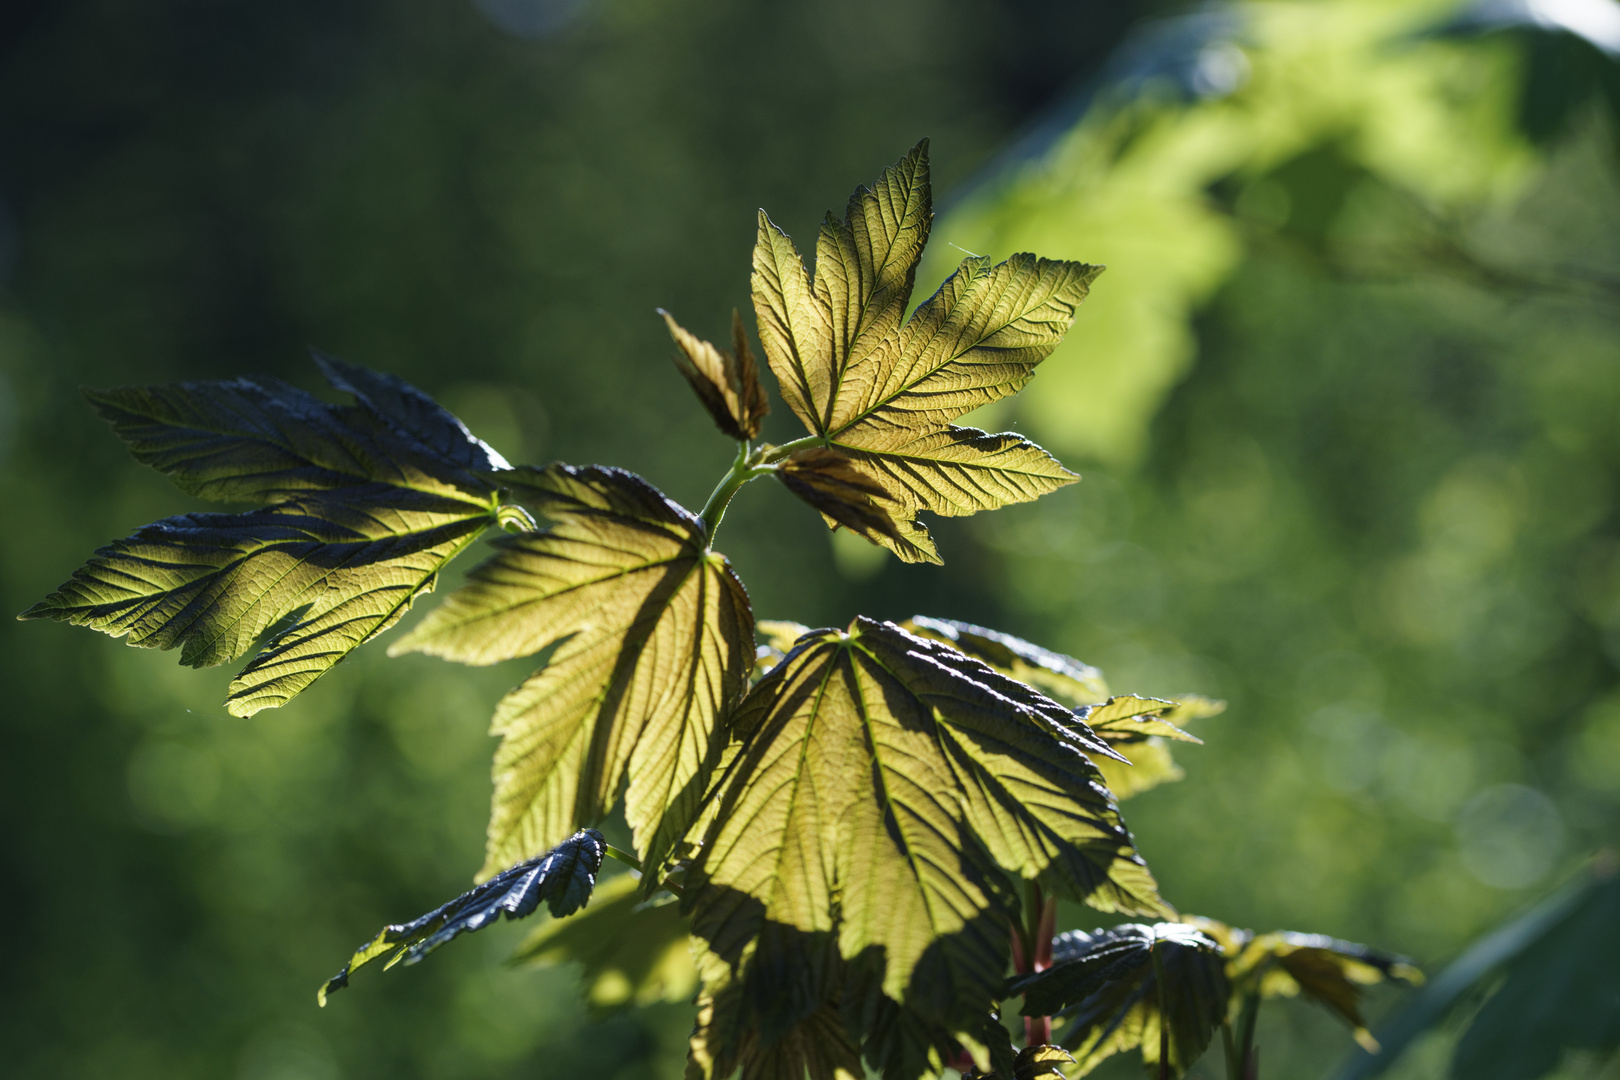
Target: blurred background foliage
x=1347 y=401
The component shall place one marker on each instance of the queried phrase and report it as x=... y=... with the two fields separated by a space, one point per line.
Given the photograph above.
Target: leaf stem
x=750 y=464
x=635 y=864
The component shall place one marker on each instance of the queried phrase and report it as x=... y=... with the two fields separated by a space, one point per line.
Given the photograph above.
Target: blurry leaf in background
x=1108 y=984
x=1559 y=990
x=632 y=951
x=563 y=877
x=1230 y=95
x=368 y=503
x=624 y=578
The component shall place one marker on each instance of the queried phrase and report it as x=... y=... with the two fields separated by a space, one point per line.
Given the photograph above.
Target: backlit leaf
x=1062 y=678
x=1107 y=981
x=367 y=503
x=1136 y=726
x=655 y=636
x=633 y=951
x=881 y=393
x=727 y=383
x=885 y=795
x=845 y=495
x=1325 y=970
x=563 y=878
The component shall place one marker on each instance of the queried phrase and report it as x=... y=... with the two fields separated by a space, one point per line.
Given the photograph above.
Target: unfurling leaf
x=1108 y=982
x=563 y=878
x=655 y=638
x=367 y=502
x=634 y=951
x=727 y=383
x=1325 y=970
x=882 y=797
x=880 y=392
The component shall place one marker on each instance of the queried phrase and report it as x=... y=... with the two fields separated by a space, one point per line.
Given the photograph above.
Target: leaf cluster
x=852 y=819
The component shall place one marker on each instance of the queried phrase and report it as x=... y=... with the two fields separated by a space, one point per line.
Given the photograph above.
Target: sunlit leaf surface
x=563 y=878
x=1135 y=726
x=655 y=636
x=367 y=502
x=881 y=392
x=884 y=795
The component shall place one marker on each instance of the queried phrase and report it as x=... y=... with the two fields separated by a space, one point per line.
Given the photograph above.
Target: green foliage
x=1550 y=976
x=878 y=393
x=368 y=502
x=656 y=628
x=853 y=836
x=563 y=877
x=632 y=951
x=1161 y=988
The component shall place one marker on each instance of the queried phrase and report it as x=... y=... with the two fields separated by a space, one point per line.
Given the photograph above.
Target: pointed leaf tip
x=726 y=383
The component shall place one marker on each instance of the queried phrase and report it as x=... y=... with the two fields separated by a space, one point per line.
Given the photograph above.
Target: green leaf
x=1137 y=726
x=726 y=383
x=1062 y=678
x=884 y=794
x=655 y=644
x=834 y=485
x=633 y=951
x=819 y=1046
x=368 y=503
x=1325 y=970
x=1557 y=989
x=880 y=392
x=563 y=878
x=1108 y=982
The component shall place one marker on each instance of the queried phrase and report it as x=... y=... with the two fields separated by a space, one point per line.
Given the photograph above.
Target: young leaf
x=634 y=951
x=1325 y=970
x=563 y=878
x=1108 y=982
x=655 y=634
x=1145 y=737
x=883 y=793
x=1062 y=678
x=727 y=383
x=880 y=393
x=367 y=503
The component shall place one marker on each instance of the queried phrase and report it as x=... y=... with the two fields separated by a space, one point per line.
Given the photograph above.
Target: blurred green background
x=1347 y=402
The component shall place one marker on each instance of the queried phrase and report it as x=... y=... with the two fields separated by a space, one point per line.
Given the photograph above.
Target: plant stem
x=749 y=465
x=1032 y=952
x=635 y=864
x=1248 y=1055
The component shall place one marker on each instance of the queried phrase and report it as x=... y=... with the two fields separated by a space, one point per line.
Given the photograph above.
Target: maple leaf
x=879 y=391
x=368 y=502
x=881 y=797
x=655 y=643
